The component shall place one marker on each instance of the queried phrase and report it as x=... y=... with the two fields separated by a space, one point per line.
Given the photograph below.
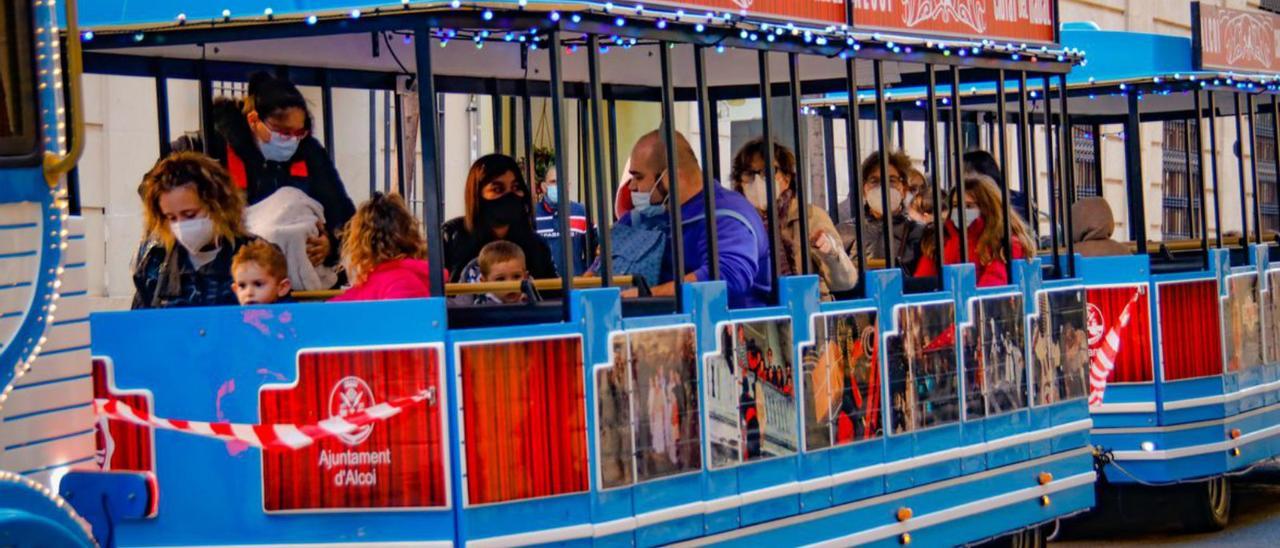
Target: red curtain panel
x=396 y=463
x=121 y=446
x=525 y=421
x=1133 y=360
x=1190 y=344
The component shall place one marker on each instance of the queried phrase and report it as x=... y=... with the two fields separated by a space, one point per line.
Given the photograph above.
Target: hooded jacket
x=310 y=170
x=1092 y=224
x=398 y=279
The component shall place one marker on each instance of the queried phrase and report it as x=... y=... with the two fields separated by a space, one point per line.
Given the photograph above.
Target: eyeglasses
x=893 y=180
x=297 y=133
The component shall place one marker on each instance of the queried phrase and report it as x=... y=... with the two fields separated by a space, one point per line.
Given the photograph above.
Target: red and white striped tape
x=266 y=436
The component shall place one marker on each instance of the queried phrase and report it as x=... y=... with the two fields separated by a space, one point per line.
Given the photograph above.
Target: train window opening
x=1180 y=205
x=18 y=128
x=1266 y=156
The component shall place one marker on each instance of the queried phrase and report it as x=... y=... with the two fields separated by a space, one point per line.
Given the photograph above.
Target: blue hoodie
x=743 y=247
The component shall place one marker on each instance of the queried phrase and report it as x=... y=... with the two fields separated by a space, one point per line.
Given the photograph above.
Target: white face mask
x=193 y=234
x=873 y=199
x=280 y=147
x=971 y=214
x=756 y=192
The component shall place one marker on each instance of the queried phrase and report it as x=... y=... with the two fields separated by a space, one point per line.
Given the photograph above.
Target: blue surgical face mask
x=642 y=204
x=553 y=194
x=280 y=147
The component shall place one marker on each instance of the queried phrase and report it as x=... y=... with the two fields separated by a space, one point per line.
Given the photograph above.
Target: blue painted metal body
x=954 y=473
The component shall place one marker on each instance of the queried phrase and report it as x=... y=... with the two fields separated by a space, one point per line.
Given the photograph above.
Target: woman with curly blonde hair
x=383 y=250
x=985 y=220
x=193 y=222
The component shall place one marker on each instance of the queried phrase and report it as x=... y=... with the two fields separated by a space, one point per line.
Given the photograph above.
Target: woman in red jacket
x=383 y=251
x=984 y=214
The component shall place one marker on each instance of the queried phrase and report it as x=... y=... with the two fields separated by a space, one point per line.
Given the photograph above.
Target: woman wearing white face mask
x=984 y=221
x=835 y=270
x=906 y=231
x=193 y=226
x=265 y=143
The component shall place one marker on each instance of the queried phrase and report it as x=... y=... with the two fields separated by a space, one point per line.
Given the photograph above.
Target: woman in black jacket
x=265 y=143
x=498 y=207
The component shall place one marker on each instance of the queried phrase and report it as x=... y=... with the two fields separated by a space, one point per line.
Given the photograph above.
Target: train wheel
x=1209 y=505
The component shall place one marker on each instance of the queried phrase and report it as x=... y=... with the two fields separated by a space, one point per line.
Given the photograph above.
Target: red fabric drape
x=1189 y=328
x=123 y=446
x=525 y=422
x=408 y=467
x=1133 y=359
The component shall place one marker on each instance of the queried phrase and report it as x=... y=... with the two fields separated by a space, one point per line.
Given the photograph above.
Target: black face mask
x=506 y=210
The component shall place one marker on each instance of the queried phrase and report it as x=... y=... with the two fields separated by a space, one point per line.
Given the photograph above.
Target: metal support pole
x=1097 y=157
x=588 y=182
x=386 y=141
x=1067 y=159
x=1026 y=169
x=674 y=200
x=526 y=105
x=854 y=154
x=829 y=165
x=800 y=185
x=206 y=105
x=554 y=51
x=1193 y=228
x=1133 y=174
x=604 y=204
x=1051 y=171
x=1275 y=133
x=373 y=141
x=432 y=193
x=705 y=109
x=1213 y=161
x=401 y=176
x=162 y=107
x=495 y=102
x=1253 y=169
x=614 y=176
x=931 y=155
x=771 y=211
x=1000 y=128
x=1244 y=200
x=1200 y=190
x=882 y=138
x=957 y=165
x=326 y=113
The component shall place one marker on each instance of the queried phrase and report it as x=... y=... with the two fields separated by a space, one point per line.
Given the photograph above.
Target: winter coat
x=836 y=272
x=582 y=234
x=992 y=273
x=461 y=247
x=397 y=279
x=906 y=237
x=310 y=169
x=167 y=278
x=1092 y=225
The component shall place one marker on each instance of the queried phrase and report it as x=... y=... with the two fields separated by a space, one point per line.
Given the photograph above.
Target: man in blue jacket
x=548 y=220
x=743 y=244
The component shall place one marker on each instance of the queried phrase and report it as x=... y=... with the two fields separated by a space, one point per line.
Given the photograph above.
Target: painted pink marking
x=234 y=447
x=256 y=317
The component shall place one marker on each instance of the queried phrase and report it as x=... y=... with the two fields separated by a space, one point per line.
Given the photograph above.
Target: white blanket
x=287 y=218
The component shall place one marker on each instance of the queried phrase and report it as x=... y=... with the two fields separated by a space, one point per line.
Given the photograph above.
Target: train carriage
x=587 y=417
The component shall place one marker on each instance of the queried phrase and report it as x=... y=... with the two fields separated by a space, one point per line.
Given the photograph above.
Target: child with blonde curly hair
x=384 y=252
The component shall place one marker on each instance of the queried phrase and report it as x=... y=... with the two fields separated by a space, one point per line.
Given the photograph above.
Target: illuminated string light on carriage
x=312 y=19
x=487 y=15
x=355 y=14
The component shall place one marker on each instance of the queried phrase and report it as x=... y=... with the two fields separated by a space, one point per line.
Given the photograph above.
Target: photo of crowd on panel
x=1242 y=323
x=524 y=419
x=1272 y=302
x=750 y=393
x=1059 y=347
x=647 y=407
x=993 y=347
x=842 y=381
x=923 y=388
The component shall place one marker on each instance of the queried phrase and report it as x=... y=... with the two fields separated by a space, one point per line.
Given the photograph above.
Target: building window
x=1181 y=204
x=1266 y=157
x=1087 y=177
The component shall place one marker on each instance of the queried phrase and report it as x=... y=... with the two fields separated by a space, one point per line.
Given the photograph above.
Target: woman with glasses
x=906 y=231
x=266 y=145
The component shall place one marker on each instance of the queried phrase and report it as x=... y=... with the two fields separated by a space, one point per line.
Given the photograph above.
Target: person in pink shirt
x=383 y=250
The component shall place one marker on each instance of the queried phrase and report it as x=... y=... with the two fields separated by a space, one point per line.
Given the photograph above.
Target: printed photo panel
x=995 y=366
x=120 y=445
x=1242 y=323
x=395 y=463
x=1273 y=316
x=842 y=381
x=524 y=415
x=1190 y=349
x=923 y=388
x=750 y=393
x=1060 y=347
x=1120 y=314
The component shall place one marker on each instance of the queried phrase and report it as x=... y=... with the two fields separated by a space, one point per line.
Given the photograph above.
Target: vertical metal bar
x=589 y=183
x=1204 y=201
x=854 y=153
x=1213 y=161
x=771 y=211
x=1133 y=174
x=326 y=113
x=991 y=127
x=1067 y=157
x=206 y=105
x=1001 y=122
x=386 y=141
x=1275 y=148
x=1192 y=227
x=1097 y=156
x=1253 y=170
x=496 y=103
x=1244 y=204
x=557 y=132
x=899 y=129
x=1055 y=193
x=510 y=108
x=1026 y=168
x=162 y=106
x=674 y=201
x=603 y=203
x=705 y=109
x=957 y=165
x=931 y=155
x=399 y=126
x=526 y=105
x=800 y=185
x=829 y=165
x=431 y=190
x=714 y=131
x=882 y=138
x=373 y=141
x=614 y=176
